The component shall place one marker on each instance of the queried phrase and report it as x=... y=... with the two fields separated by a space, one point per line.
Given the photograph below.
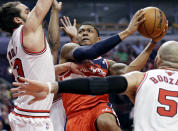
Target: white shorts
x=58 y=116
x=18 y=123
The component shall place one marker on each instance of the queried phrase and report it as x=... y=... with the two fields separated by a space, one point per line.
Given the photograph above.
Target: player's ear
x=17 y=20
x=98 y=38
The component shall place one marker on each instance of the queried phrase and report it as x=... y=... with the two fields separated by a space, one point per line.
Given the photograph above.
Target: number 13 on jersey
x=18 y=66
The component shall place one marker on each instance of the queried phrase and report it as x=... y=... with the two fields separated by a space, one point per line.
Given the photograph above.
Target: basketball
x=154 y=23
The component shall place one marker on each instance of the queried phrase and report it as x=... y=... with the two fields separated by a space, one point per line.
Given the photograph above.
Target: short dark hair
x=93 y=27
x=7 y=13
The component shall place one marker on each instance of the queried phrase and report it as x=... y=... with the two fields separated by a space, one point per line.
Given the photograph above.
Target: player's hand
x=137 y=19
x=71 y=30
x=79 y=68
x=57 y=5
x=39 y=90
x=163 y=33
x=69 y=66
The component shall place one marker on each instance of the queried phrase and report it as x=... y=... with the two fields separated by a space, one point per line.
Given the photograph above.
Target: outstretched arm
x=93 y=85
x=53 y=30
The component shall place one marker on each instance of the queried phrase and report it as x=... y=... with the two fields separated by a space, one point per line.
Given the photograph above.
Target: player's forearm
x=92 y=86
x=141 y=60
x=41 y=9
x=36 y=16
x=60 y=68
x=91 y=52
x=53 y=34
x=124 y=34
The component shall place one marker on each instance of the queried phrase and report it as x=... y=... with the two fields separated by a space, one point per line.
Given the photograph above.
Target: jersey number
x=18 y=67
x=172 y=111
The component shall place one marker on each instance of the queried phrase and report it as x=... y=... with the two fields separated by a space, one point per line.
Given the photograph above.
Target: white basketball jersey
x=58 y=115
x=31 y=65
x=156 y=104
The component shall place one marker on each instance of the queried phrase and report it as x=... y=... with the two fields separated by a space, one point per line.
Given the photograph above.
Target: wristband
x=49 y=87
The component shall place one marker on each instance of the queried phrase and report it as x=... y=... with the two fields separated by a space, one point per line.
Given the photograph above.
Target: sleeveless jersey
x=75 y=102
x=156 y=104
x=31 y=65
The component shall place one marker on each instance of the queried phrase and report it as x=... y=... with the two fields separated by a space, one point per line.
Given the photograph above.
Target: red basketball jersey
x=76 y=102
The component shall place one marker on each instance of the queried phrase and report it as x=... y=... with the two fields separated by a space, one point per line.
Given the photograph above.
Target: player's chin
x=86 y=42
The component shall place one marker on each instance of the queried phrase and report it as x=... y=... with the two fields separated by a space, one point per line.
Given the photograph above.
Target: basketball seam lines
x=154 y=24
x=145 y=29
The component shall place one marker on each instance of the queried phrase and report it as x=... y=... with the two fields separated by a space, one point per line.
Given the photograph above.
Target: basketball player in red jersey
x=71 y=102
x=88 y=35
x=97 y=110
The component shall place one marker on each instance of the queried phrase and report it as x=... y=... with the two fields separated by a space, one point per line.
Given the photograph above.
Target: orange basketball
x=154 y=23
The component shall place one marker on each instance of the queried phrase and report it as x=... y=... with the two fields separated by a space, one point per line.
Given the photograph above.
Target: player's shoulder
x=135 y=75
x=68 y=48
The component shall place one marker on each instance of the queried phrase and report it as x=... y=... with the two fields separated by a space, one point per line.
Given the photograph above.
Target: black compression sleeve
x=78 y=85
x=117 y=84
x=93 y=51
x=94 y=85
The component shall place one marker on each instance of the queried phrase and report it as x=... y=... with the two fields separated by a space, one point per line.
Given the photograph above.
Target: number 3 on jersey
x=172 y=111
x=18 y=66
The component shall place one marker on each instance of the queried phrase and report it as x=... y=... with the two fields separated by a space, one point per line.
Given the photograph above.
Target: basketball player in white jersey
x=155 y=92
x=29 y=56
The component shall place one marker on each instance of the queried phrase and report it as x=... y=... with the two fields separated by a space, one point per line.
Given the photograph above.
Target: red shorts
x=85 y=120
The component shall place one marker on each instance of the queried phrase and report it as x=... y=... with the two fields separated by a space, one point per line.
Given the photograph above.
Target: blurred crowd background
x=110 y=17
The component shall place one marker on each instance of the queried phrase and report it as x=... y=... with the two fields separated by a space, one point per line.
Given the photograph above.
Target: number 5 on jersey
x=172 y=111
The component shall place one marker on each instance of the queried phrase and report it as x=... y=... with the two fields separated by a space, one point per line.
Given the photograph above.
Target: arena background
x=110 y=17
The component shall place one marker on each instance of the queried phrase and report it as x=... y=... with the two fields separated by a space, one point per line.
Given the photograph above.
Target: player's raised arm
x=33 y=35
x=53 y=30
